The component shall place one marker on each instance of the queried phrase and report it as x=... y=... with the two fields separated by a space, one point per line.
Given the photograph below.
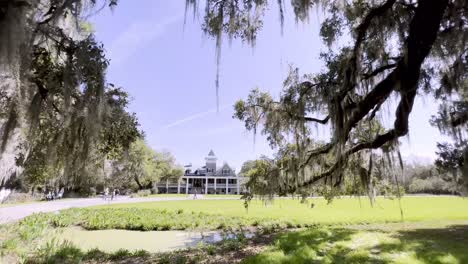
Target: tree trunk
x=140 y=187
x=15 y=34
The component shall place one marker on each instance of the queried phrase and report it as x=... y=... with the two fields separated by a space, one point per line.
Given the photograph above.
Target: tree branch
x=362 y=28
x=379 y=70
x=318 y=151
x=350 y=73
x=423 y=32
x=55 y=11
x=321 y=121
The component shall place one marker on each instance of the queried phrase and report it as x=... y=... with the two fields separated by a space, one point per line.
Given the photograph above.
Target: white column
x=227 y=181
x=215 y=179
x=206 y=185
x=237 y=181
x=178 y=186
x=186 y=185
x=167 y=186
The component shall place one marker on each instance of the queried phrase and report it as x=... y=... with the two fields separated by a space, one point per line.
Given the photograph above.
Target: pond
x=151 y=241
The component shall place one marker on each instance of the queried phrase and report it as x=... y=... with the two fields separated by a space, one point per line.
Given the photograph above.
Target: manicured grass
x=336 y=233
x=283 y=213
x=396 y=244
x=340 y=211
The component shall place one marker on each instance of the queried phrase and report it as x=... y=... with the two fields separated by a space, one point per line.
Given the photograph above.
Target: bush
x=17 y=197
x=141 y=193
x=95 y=254
x=55 y=253
x=154 y=190
x=434 y=185
x=64 y=253
x=92 y=191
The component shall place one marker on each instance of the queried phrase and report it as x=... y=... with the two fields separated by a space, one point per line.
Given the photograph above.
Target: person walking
x=106 y=193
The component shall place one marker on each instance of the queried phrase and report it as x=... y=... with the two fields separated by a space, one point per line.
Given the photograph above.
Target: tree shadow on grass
x=438 y=245
x=319 y=245
x=309 y=246
x=431 y=245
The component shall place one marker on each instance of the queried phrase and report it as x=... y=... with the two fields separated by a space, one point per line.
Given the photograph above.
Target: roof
x=226 y=166
x=211 y=153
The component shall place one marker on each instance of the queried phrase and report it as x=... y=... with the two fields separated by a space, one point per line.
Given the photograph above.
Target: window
x=226 y=171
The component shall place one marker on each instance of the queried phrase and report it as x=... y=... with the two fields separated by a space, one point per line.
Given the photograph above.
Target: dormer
x=226 y=170
x=211 y=162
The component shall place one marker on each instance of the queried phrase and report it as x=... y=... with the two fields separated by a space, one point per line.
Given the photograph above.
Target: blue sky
x=170 y=72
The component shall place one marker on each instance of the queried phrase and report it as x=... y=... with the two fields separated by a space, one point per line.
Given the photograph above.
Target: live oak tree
x=451 y=120
x=399 y=50
x=53 y=83
x=146 y=166
x=246 y=167
x=45 y=163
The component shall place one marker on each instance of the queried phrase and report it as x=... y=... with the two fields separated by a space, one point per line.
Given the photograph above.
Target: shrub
x=141 y=193
x=141 y=253
x=210 y=250
x=17 y=197
x=92 y=191
x=95 y=254
x=120 y=254
x=55 y=253
x=430 y=185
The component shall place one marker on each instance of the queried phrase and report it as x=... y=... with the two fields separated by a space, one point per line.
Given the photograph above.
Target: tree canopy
x=399 y=50
x=147 y=166
x=54 y=97
x=59 y=115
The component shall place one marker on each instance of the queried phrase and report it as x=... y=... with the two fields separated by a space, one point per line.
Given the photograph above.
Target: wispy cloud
x=195 y=116
x=222 y=130
x=137 y=35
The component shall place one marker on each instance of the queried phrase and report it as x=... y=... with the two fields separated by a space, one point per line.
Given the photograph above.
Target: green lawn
x=349 y=230
x=340 y=211
x=397 y=243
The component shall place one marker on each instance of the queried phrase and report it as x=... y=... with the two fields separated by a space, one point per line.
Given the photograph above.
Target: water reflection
x=152 y=241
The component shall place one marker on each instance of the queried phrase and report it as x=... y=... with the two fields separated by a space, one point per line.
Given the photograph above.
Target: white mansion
x=208 y=179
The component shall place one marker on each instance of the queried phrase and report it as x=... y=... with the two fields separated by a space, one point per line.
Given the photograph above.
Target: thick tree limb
x=350 y=82
x=376 y=109
x=340 y=162
x=422 y=34
x=379 y=70
x=321 y=121
x=318 y=151
x=305 y=118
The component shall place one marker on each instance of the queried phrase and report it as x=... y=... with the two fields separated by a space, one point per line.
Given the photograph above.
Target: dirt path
x=16 y=212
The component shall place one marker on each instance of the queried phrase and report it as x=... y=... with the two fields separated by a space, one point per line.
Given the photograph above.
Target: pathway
x=16 y=212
